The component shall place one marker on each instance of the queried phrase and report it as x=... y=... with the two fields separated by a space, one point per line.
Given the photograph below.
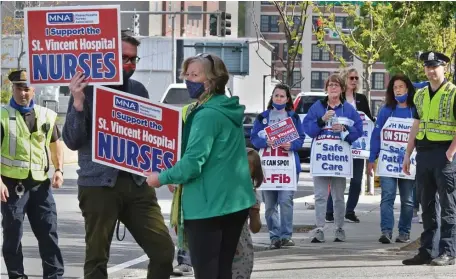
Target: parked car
x=177 y=94
x=302 y=104
x=249 y=119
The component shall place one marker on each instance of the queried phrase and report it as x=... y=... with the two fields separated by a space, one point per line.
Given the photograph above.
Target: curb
x=296 y=228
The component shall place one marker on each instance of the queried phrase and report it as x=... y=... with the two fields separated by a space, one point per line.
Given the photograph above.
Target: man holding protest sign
x=434 y=135
x=334 y=125
x=278 y=133
x=106 y=193
x=388 y=143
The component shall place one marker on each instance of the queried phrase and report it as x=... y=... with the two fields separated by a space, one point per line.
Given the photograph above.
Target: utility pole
x=173 y=56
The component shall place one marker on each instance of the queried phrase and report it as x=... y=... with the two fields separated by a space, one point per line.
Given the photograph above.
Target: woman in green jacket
x=213 y=171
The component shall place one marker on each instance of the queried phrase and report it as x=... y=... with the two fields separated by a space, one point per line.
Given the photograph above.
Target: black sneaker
x=329 y=218
x=385 y=238
x=417 y=260
x=275 y=244
x=352 y=218
x=443 y=260
x=288 y=242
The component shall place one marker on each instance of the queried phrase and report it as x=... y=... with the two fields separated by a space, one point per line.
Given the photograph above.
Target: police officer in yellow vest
x=28 y=130
x=433 y=134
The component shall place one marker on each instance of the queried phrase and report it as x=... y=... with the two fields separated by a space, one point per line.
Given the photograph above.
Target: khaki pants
x=137 y=207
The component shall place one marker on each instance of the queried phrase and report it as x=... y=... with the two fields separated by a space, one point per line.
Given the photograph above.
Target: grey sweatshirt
x=77 y=135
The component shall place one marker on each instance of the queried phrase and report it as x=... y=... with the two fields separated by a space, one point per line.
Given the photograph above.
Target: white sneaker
x=339 y=235
x=318 y=237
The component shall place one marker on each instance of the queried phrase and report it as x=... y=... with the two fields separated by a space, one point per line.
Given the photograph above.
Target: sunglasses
x=207 y=56
x=354 y=78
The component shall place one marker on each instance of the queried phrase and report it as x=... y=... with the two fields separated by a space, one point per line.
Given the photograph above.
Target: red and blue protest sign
x=64 y=40
x=282 y=132
x=134 y=134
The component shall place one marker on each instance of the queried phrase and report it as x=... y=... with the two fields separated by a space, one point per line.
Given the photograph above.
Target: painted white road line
x=125 y=265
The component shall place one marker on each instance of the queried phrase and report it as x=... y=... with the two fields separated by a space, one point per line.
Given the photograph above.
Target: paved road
x=71 y=233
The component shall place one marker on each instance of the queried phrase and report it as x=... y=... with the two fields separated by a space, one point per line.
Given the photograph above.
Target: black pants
x=38 y=202
x=138 y=209
x=213 y=242
x=435 y=174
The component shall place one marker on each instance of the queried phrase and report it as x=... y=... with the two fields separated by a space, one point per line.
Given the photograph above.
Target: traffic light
x=225 y=24
x=213 y=18
x=136 y=24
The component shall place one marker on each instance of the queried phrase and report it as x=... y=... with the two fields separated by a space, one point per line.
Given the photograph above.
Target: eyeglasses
x=354 y=78
x=333 y=85
x=133 y=60
x=207 y=56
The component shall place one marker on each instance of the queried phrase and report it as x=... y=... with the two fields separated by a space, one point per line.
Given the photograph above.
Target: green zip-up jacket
x=214 y=168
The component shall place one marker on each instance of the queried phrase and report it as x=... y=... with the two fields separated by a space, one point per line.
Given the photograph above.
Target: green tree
x=375 y=26
x=292 y=20
x=432 y=26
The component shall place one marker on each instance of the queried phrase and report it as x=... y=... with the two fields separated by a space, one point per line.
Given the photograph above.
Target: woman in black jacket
x=359 y=101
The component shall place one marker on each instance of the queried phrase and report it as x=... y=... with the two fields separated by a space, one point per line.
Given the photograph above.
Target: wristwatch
x=56 y=170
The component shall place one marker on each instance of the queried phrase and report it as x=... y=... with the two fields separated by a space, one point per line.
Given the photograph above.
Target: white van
x=301 y=105
x=177 y=94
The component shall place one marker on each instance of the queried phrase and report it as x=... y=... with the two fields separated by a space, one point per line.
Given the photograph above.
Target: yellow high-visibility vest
x=437 y=121
x=22 y=151
x=186 y=110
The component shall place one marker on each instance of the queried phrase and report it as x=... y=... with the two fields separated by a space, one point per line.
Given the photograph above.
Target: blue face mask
x=401 y=99
x=278 y=107
x=195 y=89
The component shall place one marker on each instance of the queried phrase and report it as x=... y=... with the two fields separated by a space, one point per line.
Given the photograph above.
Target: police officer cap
x=18 y=77
x=432 y=59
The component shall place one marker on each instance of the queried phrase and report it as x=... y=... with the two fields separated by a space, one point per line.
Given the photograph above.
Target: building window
x=342 y=50
x=297 y=79
x=315 y=19
x=318 y=80
x=376 y=105
x=319 y=54
x=296 y=82
x=344 y=22
x=269 y=3
x=285 y=53
x=378 y=81
x=269 y=23
x=275 y=52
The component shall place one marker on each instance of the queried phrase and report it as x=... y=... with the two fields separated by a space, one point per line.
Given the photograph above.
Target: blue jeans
x=279 y=228
x=389 y=186
x=183 y=257
x=353 y=192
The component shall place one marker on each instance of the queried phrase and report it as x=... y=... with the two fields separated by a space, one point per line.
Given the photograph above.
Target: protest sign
x=361 y=147
x=393 y=144
x=129 y=132
x=64 y=40
x=282 y=132
x=330 y=156
x=279 y=169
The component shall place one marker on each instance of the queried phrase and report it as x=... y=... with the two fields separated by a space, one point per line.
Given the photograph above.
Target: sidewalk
x=360 y=236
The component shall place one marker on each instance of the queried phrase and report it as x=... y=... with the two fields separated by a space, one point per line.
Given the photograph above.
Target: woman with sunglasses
x=359 y=101
x=213 y=172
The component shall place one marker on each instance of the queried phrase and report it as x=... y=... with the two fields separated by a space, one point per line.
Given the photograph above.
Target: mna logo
x=60 y=18
x=126 y=104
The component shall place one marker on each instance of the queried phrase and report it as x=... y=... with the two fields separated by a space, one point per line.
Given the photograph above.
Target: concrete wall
x=250 y=88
